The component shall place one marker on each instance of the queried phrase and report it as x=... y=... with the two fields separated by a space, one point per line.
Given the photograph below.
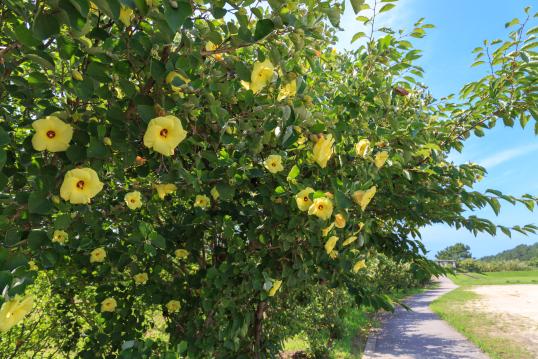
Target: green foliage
x=480 y=266
x=522 y=252
x=457 y=252
x=102 y=67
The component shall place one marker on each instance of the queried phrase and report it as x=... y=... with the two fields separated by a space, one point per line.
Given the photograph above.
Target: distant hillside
x=522 y=252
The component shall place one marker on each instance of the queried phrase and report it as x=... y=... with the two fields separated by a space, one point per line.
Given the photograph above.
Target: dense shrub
x=209 y=160
x=473 y=265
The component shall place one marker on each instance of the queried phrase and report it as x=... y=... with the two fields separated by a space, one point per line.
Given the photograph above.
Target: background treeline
x=521 y=258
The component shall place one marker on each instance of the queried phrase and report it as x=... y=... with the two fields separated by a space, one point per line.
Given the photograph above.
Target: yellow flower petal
x=323 y=150
x=362 y=148
x=80 y=185
x=287 y=90
x=126 y=15
x=339 y=221
x=303 y=199
x=108 y=305
x=165 y=189
x=52 y=134
x=14 y=311
x=262 y=74
x=133 y=200
x=274 y=288
x=321 y=207
x=97 y=255
x=359 y=265
x=181 y=253
x=140 y=278
x=202 y=201
x=381 y=158
x=60 y=237
x=330 y=244
x=363 y=198
x=164 y=134
x=173 y=306
x=273 y=163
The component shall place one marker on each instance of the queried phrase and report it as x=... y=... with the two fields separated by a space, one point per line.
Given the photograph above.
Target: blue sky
x=509 y=154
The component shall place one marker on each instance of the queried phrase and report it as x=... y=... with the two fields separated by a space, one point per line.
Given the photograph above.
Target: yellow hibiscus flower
x=126 y=15
x=322 y=207
x=133 y=200
x=97 y=255
x=276 y=286
x=359 y=265
x=323 y=150
x=181 y=253
x=51 y=134
x=340 y=220
x=381 y=158
x=14 y=310
x=209 y=46
x=327 y=230
x=362 y=148
x=363 y=198
x=108 y=305
x=202 y=201
x=287 y=90
x=80 y=185
x=165 y=189
x=273 y=163
x=215 y=193
x=170 y=78
x=164 y=134
x=330 y=244
x=303 y=199
x=60 y=237
x=140 y=278
x=349 y=240
x=173 y=306
x=262 y=74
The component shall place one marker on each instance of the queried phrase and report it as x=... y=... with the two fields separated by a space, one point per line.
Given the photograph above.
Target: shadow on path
x=420 y=333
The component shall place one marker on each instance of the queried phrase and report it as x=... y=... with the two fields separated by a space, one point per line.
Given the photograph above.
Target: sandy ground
x=515 y=307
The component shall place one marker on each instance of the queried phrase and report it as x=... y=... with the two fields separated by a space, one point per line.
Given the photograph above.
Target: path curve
x=420 y=333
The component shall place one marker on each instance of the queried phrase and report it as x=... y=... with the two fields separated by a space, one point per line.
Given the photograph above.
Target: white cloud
x=507 y=155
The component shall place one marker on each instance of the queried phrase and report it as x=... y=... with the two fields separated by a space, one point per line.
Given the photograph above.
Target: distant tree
x=457 y=252
x=522 y=252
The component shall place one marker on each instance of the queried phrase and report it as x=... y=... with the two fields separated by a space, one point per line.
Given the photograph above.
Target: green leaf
x=5 y=279
x=356 y=5
x=39 y=204
x=175 y=17
x=341 y=200
x=263 y=28
x=36 y=238
x=45 y=26
x=226 y=192
x=3 y=158
x=157 y=240
x=25 y=36
x=357 y=36
x=294 y=172
x=386 y=7
x=4 y=137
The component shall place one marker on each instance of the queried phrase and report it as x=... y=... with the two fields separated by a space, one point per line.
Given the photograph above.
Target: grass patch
x=488 y=278
x=483 y=329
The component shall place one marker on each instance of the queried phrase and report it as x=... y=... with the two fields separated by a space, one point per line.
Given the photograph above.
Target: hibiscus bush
x=200 y=161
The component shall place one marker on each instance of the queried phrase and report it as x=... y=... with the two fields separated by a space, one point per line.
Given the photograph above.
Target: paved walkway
x=421 y=333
